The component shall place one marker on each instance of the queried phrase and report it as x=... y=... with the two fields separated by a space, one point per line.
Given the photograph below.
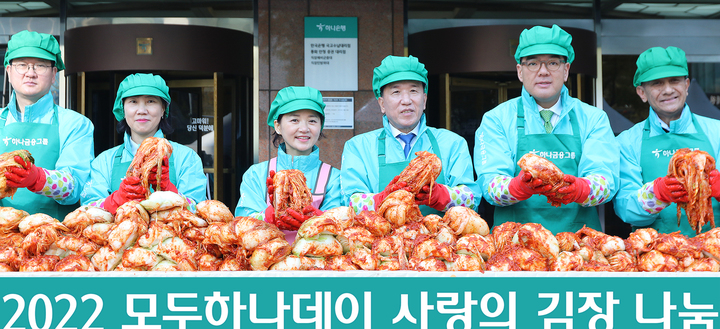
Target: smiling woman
x=297 y=115
x=142 y=107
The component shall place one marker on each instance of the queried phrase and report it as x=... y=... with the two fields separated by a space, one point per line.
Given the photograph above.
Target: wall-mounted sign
x=339 y=113
x=203 y=124
x=331 y=56
x=144 y=46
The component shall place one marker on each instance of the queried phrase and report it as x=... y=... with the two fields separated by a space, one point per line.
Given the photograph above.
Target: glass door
x=194 y=113
x=466 y=99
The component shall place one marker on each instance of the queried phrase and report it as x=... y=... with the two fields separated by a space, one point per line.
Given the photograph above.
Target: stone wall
x=281 y=62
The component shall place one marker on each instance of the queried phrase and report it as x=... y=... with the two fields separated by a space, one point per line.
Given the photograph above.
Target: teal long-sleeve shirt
x=360 y=165
x=77 y=146
x=253 y=189
x=627 y=204
x=190 y=178
x=496 y=145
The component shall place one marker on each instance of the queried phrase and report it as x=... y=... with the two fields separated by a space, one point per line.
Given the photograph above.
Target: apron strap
x=117 y=169
x=272 y=166
x=321 y=184
x=436 y=151
x=520 y=117
x=381 y=148
x=3 y=116
x=646 y=129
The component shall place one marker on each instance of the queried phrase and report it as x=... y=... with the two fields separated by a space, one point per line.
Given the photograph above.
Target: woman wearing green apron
x=372 y=160
x=60 y=140
x=141 y=108
x=647 y=197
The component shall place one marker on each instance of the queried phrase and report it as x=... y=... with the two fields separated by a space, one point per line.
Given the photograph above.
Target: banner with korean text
x=360 y=300
x=331 y=53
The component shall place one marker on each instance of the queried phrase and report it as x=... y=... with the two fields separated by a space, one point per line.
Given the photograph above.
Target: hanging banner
x=360 y=299
x=331 y=55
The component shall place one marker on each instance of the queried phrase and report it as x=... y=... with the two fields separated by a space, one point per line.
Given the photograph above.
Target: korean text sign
x=331 y=53
x=354 y=301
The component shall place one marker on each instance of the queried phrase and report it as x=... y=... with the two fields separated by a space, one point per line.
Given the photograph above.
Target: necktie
x=407 y=138
x=546 y=115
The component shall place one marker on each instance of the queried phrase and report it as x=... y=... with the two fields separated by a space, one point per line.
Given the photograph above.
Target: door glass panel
x=467 y=108
x=192 y=117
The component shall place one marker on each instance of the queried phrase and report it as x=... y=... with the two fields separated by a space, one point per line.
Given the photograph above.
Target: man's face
x=544 y=84
x=403 y=102
x=31 y=85
x=666 y=96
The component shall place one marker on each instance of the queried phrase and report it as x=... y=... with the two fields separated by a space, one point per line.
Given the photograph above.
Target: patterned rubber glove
x=130 y=189
x=438 y=199
x=523 y=186
x=165 y=183
x=391 y=187
x=669 y=189
x=30 y=176
x=577 y=191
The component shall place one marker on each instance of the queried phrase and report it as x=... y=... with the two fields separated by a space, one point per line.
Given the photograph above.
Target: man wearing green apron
x=647 y=197
x=547 y=122
x=371 y=161
x=60 y=140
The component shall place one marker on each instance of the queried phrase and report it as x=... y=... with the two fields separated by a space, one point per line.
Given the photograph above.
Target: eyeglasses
x=22 y=68
x=551 y=64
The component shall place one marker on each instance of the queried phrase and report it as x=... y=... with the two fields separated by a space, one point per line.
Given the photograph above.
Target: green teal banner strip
x=353 y=301
x=331 y=27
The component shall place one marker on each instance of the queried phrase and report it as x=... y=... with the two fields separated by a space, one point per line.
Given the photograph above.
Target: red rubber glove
x=270 y=186
x=523 y=186
x=270 y=215
x=715 y=184
x=438 y=199
x=668 y=189
x=577 y=191
x=165 y=183
x=294 y=219
x=312 y=211
x=130 y=189
x=30 y=176
x=391 y=187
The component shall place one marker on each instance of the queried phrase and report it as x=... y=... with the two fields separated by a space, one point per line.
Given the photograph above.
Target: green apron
x=565 y=152
x=654 y=162
x=119 y=169
x=388 y=171
x=45 y=149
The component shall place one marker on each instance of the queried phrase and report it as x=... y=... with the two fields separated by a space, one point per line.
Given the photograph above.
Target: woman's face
x=300 y=130
x=143 y=114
